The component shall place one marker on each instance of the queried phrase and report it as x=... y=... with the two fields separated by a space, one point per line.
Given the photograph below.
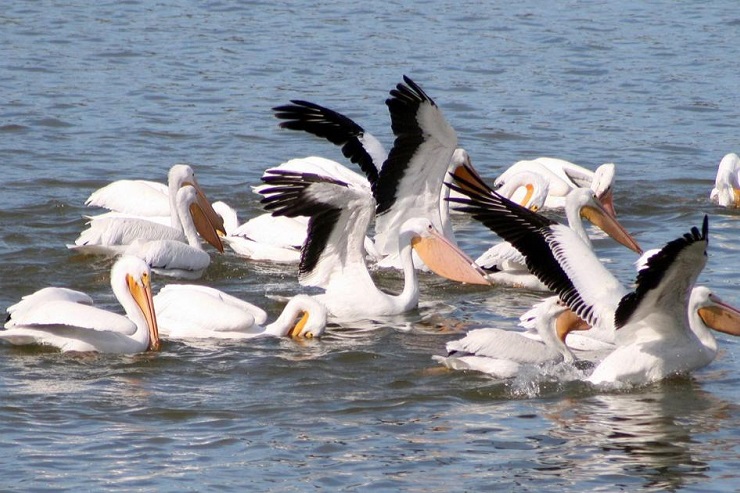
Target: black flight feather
x=403 y=105
x=288 y=196
x=652 y=274
x=527 y=231
x=332 y=126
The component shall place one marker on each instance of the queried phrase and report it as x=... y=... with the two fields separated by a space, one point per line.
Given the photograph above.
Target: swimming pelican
x=406 y=183
x=507 y=266
x=187 y=311
x=64 y=318
x=264 y=237
x=279 y=238
x=726 y=191
x=162 y=247
x=563 y=176
x=333 y=255
x=659 y=329
x=501 y=352
x=151 y=200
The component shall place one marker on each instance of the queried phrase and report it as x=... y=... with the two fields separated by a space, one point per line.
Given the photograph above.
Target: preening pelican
x=151 y=200
x=407 y=182
x=658 y=328
x=333 y=255
x=187 y=311
x=64 y=318
x=726 y=191
x=501 y=352
x=169 y=251
x=563 y=176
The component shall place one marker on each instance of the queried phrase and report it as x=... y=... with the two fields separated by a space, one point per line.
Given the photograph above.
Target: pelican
x=64 y=318
x=507 y=266
x=264 y=237
x=333 y=255
x=169 y=251
x=151 y=200
x=407 y=182
x=187 y=311
x=279 y=238
x=501 y=353
x=563 y=176
x=726 y=191
x=659 y=329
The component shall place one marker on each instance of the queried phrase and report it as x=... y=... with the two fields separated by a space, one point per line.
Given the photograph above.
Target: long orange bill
x=721 y=317
x=446 y=260
x=205 y=227
x=142 y=294
x=600 y=218
x=216 y=220
x=567 y=322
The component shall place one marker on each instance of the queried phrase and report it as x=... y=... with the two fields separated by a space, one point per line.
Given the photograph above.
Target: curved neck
x=185 y=224
x=701 y=331
x=132 y=310
x=172 y=188
x=575 y=222
x=282 y=325
x=409 y=297
x=547 y=330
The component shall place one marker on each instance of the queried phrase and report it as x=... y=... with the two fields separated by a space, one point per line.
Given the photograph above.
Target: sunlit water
x=126 y=89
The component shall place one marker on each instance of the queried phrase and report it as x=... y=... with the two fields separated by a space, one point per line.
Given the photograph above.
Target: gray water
x=90 y=94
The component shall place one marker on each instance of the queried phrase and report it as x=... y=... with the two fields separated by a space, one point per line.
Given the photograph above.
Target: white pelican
x=333 y=255
x=187 y=311
x=726 y=191
x=563 y=176
x=660 y=329
x=506 y=265
x=279 y=238
x=65 y=319
x=407 y=182
x=149 y=199
x=264 y=237
x=169 y=251
x=501 y=352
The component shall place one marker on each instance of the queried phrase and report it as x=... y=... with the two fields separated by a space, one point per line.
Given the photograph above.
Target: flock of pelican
x=339 y=226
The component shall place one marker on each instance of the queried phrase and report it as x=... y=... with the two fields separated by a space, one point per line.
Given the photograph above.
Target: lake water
x=94 y=93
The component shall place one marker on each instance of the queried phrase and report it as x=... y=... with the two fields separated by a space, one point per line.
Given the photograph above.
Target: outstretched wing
x=339 y=212
x=664 y=283
x=553 y=252
x=411 y=179
x=360 y=147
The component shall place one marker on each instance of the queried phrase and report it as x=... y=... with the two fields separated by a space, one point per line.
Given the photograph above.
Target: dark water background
x=94 y=93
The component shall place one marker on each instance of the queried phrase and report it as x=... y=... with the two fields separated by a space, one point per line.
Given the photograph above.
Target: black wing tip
x=656 y=266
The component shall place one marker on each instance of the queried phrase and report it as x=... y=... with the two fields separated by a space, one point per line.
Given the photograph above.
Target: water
x=126 y=89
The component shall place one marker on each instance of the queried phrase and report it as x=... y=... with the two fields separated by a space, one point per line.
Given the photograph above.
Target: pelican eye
x=308 y=335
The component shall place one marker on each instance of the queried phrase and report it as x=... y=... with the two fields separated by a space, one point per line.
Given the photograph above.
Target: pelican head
x=602 y=185
x=715 y=313
x=439 y=254
x=131 y=282
x=590 y=207
x=534 y=186
x=201 y=218
x=726 y=190
x=555 y=321
x=181 y=175
x=302 y=318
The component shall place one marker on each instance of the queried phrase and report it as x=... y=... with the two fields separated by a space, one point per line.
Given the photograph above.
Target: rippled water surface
x=126 y=89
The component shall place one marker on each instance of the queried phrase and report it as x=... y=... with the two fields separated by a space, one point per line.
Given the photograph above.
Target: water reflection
x=646 y=436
